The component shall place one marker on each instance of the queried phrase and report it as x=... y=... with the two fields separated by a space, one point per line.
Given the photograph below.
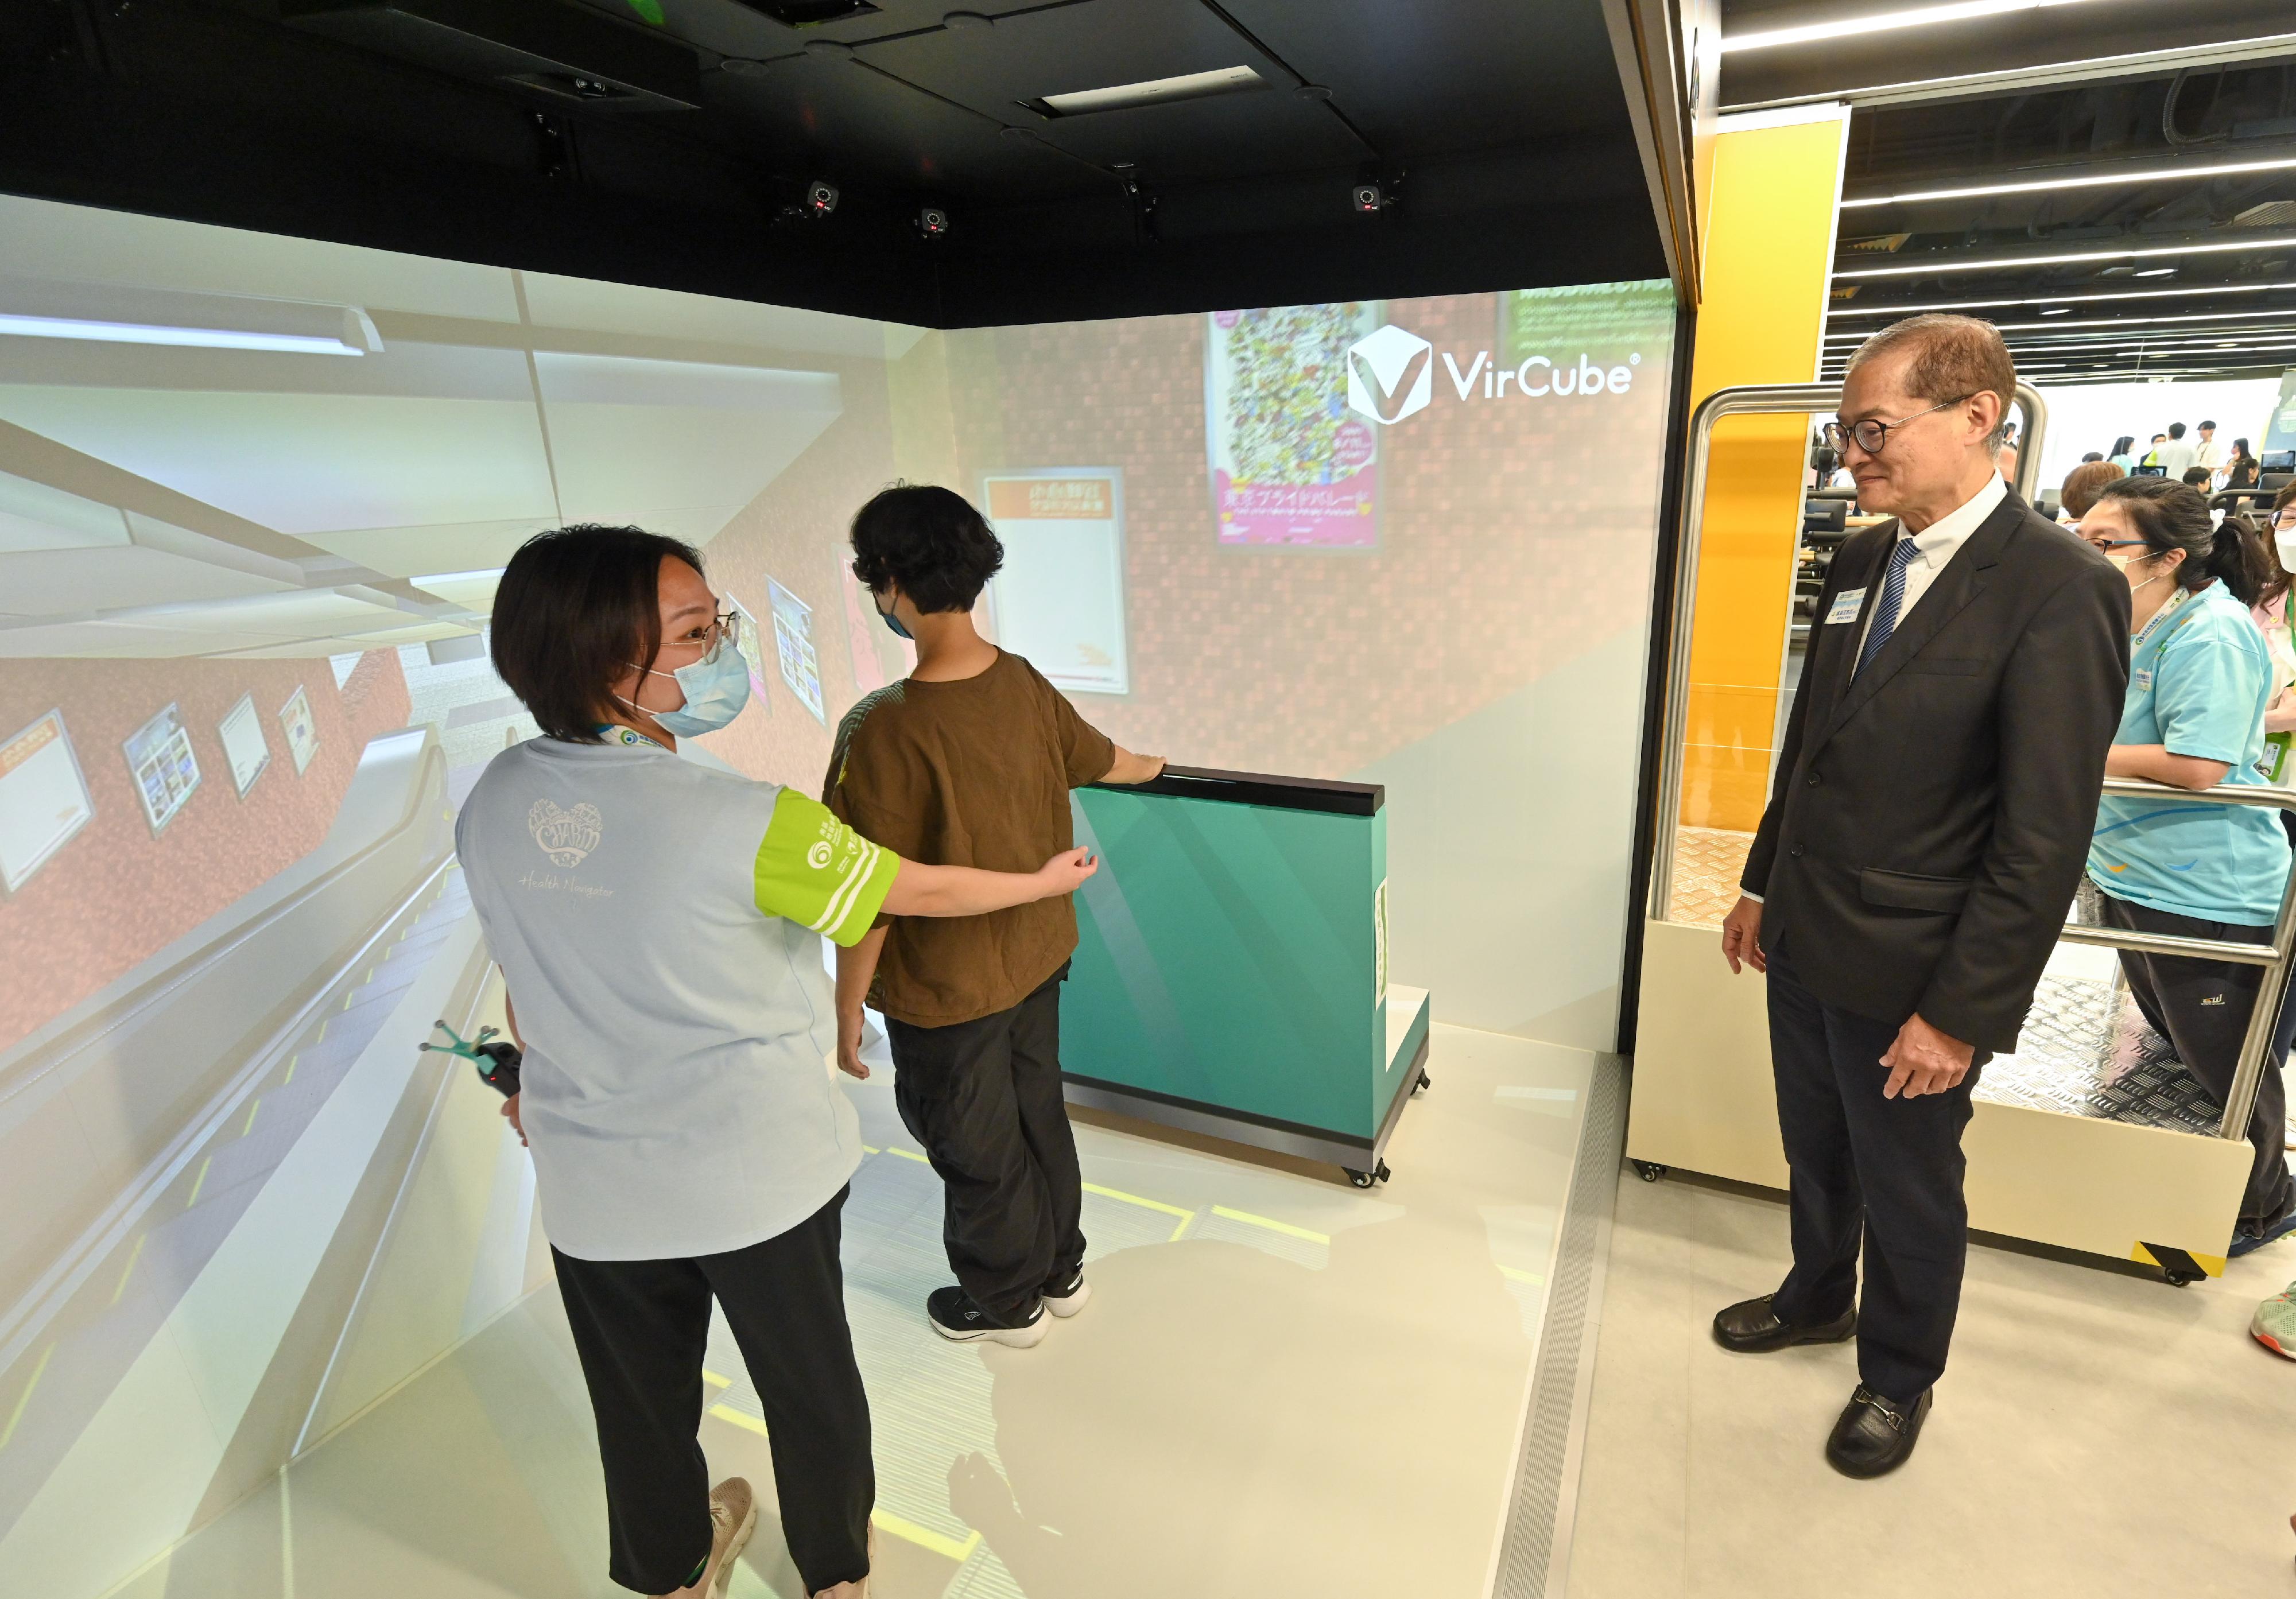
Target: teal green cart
x=1231 y=972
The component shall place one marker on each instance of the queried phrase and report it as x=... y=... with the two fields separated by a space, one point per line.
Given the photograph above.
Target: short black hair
x=576 y=608
x=2176 y=430
x=928 y=540
x=2210 y=426
x=2092 y=455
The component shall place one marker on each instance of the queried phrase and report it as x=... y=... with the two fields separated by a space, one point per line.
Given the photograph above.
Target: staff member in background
x=2081 y=485
x=2200 y=677
x=2206 y=451
x=1935 y=794
x=2122 y=454
x=2240 y=468
x=658 y=923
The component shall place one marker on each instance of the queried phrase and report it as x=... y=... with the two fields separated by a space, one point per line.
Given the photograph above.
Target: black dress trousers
x=641 y=1327
x=984 y=1099
x=1879 y=1175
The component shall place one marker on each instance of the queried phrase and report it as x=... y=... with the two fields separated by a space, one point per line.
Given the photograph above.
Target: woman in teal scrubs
x=2200 y=677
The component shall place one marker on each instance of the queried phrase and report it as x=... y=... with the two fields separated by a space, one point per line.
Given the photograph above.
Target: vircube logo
x=1390 y=375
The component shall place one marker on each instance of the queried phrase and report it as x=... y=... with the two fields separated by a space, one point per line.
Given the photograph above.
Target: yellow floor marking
x=25 y=1397
x=714 y=1379
x=907 y=1155
x=871 y=1148
x=1134 y=1199
x=251 y=1109
x=370 y=973
x=1181 y=1231
x=1517 y=1274
x=1285 y=1228
x=925 y=1538
x=740 y=1418
x=347 y=999
x=290 y=1076
x=128 y=1271
x=322 y=1038
x=199 y=1182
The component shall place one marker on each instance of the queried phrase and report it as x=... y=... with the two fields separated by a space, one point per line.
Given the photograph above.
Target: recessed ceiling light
x=2012 y=263
x=1154 y=91
x=2058 y=311
x=2158 y=272
x=2068 y=181
x=1920 y=17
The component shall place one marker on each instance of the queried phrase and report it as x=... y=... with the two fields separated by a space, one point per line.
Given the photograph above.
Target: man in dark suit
x=1931 y=815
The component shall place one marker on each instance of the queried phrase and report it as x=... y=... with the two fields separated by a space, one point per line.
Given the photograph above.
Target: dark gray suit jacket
x=1931 y=818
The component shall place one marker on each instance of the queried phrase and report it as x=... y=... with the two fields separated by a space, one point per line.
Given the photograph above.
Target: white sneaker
x=1065 y=1302
x=732 y=1517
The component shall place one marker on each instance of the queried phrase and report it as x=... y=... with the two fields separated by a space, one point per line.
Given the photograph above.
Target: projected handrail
x=2275 y=958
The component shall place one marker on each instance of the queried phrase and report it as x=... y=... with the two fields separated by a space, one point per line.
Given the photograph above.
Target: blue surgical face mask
x=716 y=686
x=892 y=621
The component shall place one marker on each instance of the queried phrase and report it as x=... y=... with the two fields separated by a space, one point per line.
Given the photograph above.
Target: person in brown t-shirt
x=969 y=761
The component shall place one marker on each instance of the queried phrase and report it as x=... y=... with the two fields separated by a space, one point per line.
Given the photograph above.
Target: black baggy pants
x=1880 y=1174
x=984 y=1099
x=641 y=1327
x=2202 y=1007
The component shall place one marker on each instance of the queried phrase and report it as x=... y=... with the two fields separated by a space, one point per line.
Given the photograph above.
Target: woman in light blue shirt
x=2123 y=452
x=2200 y=677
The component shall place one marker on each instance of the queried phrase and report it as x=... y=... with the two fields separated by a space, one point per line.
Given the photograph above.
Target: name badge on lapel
x=1846 y=605
x=2141 y=680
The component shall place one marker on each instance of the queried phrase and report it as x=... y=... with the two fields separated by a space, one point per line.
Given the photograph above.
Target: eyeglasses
x=719 y=628
x=1872 y=434
x=2105 y=546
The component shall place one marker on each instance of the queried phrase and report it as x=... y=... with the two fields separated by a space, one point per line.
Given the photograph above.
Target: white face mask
x=2284 y=539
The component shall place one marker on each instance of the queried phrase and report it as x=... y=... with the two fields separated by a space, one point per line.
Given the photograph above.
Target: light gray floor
x=2097 y=1434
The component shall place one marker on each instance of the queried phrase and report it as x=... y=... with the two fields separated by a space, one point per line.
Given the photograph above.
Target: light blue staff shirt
x=2198 y=684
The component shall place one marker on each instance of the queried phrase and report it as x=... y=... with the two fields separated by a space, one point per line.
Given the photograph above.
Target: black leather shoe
x=1752 y=1328
x=1875 y=1435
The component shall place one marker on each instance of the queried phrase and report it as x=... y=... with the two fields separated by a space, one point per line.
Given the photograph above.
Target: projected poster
x=793 y=643
x=44 y=800
x=166 y=772
x=751 y=640
x=1059 y=597
x=1292 y=462
x=302 y=732
x=244 y=747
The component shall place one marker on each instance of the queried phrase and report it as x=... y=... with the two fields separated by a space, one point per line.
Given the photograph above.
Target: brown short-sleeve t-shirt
x=975 y=773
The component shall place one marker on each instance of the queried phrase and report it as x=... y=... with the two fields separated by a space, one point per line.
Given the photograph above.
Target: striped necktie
x=1885 y=609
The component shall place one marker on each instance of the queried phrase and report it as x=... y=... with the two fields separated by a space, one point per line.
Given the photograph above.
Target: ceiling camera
x=820 y=197
x=933 y=222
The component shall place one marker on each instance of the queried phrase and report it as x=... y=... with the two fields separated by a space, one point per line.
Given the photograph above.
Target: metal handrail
x=2276 y=957
x=1747 y=401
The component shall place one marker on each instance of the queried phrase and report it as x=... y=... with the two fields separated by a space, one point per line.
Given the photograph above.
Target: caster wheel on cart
x=1361 y=1179
x=1650 y=1171
x=2180 y=1279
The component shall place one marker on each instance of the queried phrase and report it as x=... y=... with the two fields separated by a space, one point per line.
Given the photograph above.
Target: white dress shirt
x=1933 y=547
x=2209 y=453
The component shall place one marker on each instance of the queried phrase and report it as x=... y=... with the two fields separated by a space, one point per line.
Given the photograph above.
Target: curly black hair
x=928 y=540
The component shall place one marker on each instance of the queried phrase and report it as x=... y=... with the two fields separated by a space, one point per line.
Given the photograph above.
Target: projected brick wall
x=117 y=893
x=1515 y=534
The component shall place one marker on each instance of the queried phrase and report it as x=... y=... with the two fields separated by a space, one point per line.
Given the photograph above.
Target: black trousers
x=641 y=1326
x=1883 y=1175
x=984 y=1098
x=2202 y=1007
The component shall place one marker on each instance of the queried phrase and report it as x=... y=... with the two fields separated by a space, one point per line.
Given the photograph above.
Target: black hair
x=2239 y=449
x=2092 y=455
x=2210 y=426
x=2176 y=430
x=2197 y=475
x=576 y=607
x=928 y=541
x=2123 y=445
x=2173 y=516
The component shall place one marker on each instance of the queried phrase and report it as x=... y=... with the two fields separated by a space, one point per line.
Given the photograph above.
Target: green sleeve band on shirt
x=814 y=870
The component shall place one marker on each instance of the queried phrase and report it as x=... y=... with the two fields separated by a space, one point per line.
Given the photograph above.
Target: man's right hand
x=1742 y=936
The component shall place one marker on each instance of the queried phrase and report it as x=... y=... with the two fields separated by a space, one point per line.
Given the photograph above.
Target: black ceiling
x=666 y=141
x=2121 y=90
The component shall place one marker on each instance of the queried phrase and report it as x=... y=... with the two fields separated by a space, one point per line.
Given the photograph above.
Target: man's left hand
x=1925 y=1061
